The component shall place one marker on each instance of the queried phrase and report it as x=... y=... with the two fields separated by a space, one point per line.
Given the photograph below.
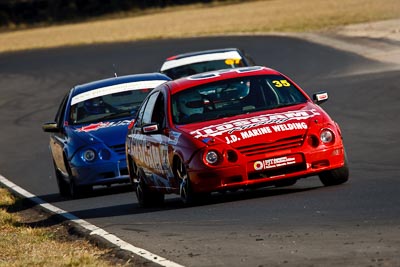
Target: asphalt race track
x=354 y=224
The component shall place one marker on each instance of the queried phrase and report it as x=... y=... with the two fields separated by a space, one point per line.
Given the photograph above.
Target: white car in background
x=187 y=64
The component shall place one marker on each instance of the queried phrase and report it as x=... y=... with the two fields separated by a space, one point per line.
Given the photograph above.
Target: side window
x=61 y=110
x=140 y=113
x=158 y=115
x=148 y=110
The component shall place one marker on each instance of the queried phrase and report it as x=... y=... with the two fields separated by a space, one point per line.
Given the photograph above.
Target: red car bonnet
x=265 y=126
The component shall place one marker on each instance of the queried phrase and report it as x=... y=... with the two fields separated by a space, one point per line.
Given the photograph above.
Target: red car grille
x=281 y=144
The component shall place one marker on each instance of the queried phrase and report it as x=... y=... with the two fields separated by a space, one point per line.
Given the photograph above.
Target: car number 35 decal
x=281 y=83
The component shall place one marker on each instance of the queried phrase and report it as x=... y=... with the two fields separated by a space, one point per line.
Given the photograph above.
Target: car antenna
x=115 y=71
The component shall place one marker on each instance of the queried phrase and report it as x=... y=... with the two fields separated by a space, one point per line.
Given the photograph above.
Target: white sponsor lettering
x=256 y=132
x=254 y=122
x=231 y=139
x=289 y=126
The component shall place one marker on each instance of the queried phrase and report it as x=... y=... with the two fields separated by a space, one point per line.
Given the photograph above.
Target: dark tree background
x=36 y=12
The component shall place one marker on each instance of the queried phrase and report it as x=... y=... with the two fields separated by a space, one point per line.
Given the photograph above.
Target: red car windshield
x=233 y=97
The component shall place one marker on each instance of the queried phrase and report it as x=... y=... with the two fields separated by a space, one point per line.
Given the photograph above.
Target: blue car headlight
x=89 y=155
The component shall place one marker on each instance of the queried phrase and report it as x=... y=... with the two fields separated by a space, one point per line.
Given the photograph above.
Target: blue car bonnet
x=109 y=132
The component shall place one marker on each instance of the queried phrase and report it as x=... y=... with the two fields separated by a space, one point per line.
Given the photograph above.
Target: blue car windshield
x=107 y=107
x=234 y=97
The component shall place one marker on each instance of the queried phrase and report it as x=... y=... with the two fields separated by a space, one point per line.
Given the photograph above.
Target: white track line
x=93 y=230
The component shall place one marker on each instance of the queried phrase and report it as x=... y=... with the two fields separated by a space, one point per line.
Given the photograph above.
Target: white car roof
x=199 y=58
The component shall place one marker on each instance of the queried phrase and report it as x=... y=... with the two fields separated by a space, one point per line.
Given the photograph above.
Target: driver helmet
x=95 y=105
x=189 y=103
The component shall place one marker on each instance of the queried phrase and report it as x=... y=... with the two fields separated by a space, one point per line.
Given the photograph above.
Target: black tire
x=335 y=176
x=63 y=187
x=188 y=196
x=132 y=171
x=74 y=191
x=77 y=191
x=147 y=198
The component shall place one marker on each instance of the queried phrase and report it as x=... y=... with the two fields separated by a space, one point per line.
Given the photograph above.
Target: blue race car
x=87 y=139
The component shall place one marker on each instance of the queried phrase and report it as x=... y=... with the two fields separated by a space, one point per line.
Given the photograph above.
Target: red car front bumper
x=250 y=172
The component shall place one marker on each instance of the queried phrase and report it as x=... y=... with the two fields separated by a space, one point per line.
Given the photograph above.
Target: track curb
x=94 y=234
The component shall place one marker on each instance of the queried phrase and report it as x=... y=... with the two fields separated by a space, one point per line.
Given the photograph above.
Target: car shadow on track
x=240 y=195
x=174 y=203
x=96 y=192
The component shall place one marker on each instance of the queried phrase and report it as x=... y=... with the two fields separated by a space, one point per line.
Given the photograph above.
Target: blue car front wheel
x=63 y=186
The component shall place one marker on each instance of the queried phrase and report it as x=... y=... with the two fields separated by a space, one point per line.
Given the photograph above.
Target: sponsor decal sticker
x=154 y=156
x=101 y=125
x=266 y=164
x=150 y=155
x=258 y=125
x=173 y=138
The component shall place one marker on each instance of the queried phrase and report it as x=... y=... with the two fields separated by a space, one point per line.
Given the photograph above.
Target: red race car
x=230 y=129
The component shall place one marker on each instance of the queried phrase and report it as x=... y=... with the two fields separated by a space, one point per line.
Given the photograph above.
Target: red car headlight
x=212 y=157
x=327 y=136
